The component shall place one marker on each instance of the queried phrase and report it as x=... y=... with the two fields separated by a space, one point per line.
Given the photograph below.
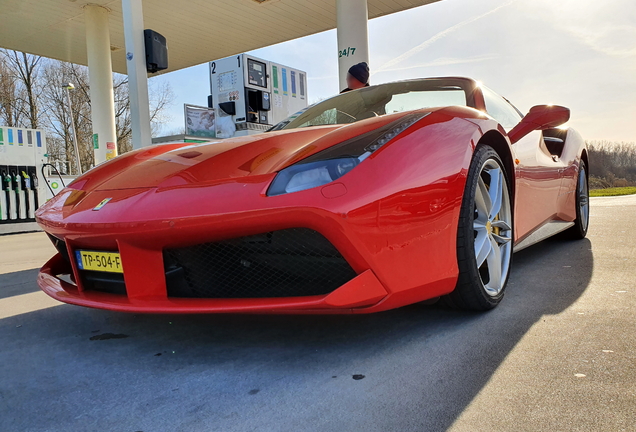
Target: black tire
x=471 y=293
x=582 y=221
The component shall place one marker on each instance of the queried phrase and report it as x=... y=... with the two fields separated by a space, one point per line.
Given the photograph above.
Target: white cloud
x=413 y=51
x=443 y=61
x=604 y=26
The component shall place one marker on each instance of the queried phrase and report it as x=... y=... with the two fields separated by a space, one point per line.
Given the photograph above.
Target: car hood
x=172 y=165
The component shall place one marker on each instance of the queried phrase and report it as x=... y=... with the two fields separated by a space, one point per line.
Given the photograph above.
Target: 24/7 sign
x=349 y=51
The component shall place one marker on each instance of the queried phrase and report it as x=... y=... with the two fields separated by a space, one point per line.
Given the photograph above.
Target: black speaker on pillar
x=156 y=51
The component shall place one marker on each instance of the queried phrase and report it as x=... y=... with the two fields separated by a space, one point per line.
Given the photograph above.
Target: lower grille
x=101 y=281
x=288 y=263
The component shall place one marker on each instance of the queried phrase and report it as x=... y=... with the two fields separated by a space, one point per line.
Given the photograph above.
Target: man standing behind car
x=357 y=77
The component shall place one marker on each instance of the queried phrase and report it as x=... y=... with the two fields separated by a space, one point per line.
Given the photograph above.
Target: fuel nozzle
x=5 y=179
x=26 y=181
x=5 y=198
x=15 y=185
x=34 y=186
x=15 y=180
x=34 y=178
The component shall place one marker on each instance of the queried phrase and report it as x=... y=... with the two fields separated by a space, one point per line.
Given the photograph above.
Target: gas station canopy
x=109 y=36
x=196 y=30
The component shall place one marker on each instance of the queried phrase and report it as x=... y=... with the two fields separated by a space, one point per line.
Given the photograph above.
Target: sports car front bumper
x=354 y=296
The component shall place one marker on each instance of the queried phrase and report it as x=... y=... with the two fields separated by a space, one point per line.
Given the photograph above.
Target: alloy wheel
x=584 y=199
x=492 y=226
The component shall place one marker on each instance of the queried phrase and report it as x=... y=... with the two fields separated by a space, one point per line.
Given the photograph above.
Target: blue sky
x=577 y=53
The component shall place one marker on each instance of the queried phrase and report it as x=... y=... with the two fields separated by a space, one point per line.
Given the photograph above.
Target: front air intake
x=288 y=263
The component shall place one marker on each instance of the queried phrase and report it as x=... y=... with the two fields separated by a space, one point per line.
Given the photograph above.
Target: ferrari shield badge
x=101 y=204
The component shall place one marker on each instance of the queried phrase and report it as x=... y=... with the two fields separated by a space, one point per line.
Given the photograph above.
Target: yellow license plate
x=99 y=261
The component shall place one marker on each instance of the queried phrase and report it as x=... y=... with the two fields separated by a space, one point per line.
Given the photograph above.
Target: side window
x=500 y=109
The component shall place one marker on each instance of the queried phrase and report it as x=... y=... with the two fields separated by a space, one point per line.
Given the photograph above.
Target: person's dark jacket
x=348 y=89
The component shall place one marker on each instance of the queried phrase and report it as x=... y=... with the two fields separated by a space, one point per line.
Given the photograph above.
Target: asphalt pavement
x=558 y=354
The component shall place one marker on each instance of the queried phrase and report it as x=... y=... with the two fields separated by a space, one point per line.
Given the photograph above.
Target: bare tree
x=160 y=96
x=122 y=114
x=612 y=164
x=25 y=71
x=10 y=108
x=58 y=112
x=32 y=95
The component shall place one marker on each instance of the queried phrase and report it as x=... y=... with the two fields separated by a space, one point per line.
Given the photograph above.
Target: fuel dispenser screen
x=257 y=73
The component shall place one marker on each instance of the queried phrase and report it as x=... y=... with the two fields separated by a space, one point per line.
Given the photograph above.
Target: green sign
x=349 y=51
x=95 y=141
x=1 y=136
x=275 y=78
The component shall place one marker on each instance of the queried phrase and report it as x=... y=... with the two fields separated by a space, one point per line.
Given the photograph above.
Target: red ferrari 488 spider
x=370 y=200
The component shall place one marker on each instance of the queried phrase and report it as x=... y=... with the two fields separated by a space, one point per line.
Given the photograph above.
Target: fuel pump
x=5 y=198
x=32 y=171
x=22 y=188
x=15 y=185
x=257 y=106
x=250 y=95
x=25 y=186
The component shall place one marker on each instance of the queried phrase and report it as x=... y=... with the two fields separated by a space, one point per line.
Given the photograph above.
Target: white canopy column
x=133 y=21
x=100 y=75
x=353 y=35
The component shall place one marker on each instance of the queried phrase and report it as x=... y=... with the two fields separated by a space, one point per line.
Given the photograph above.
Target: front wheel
x=484 y=235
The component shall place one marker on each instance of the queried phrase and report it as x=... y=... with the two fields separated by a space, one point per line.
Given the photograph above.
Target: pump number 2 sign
x=99 y=261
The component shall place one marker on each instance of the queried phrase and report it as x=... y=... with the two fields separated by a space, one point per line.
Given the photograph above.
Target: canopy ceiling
x=196 y=30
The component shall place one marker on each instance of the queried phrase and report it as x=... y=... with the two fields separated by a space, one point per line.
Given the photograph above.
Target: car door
x=538 y=184
x=559 y=142
x=538 y=179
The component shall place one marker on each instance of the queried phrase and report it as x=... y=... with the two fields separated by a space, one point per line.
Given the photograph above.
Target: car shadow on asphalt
x=17 y=283
x=443 y=356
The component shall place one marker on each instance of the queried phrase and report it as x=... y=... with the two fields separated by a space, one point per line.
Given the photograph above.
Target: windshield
x=379 y=100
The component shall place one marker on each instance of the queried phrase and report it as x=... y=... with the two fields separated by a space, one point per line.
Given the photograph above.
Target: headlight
x=308 y=175
x=338 y=160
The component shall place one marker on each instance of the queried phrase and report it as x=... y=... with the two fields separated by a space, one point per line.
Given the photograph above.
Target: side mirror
x=539 y=117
